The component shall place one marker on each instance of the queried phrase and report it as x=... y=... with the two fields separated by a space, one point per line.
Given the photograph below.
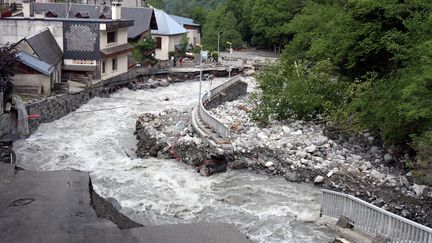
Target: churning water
x=98 y=138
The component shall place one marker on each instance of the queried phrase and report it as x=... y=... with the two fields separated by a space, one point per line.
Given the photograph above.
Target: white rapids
x=99 y=138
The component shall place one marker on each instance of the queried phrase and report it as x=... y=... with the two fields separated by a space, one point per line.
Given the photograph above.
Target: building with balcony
x=93 y=38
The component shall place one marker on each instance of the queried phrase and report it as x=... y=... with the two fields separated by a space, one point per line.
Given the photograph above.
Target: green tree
x=223 y=22
x=8 y=63
x=269 y=19
x=143 y=50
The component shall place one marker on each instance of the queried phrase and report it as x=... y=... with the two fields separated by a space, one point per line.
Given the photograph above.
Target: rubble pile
x=304 y=152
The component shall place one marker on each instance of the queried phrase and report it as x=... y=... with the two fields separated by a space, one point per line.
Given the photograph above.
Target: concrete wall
x=13 y=31
x=229 y=94
x=55 y=107
x=162 y=54
x=121 y=38
x=174 y=40
x=34 y=80
x=122 y=66
x=191 y=34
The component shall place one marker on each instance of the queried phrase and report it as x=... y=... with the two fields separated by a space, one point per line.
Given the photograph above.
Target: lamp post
x=231 y=51
x=219 y=33
x=200 y=80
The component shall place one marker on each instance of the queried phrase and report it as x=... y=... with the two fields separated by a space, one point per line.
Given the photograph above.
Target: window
x=158 y=42
x=103 y=66
x=112 y=37
x=114 y=64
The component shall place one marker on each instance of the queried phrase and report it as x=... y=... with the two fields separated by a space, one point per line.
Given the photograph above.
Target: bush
x=297 y=91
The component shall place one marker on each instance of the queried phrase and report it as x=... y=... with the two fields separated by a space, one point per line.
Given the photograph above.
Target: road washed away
x=98 y=138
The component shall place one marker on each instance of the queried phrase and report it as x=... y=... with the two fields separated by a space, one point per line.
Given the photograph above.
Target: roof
x=61 y=9
x=166 y=24
x=35 y=63
x=45 y=46
x=184 y=21
x=143 y=17
x=93 y=11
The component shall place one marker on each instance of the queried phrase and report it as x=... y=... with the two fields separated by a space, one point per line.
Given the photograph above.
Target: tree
x=144 y=49
x=160 y=4
x=8 y=63
x=221 y=21
x=184 y=42
x=269 y=19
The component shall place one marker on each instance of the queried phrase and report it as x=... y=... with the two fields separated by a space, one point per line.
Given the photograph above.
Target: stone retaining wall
x=55 y=107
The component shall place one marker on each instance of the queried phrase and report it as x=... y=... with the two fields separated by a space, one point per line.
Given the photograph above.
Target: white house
x=168 y=34
x=193 y=29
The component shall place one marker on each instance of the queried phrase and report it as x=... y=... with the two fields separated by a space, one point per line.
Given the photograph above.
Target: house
x=193 y=29
x=94 y=39
x=40 y=49
x=33 y=76
x=168 y=34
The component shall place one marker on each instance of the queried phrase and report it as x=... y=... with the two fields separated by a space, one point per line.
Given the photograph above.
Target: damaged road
x=61 y=206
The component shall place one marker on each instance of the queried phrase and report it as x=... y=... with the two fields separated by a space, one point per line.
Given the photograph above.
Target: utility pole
x=231 y=51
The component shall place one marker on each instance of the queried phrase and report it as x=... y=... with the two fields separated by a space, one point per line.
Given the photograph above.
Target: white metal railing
x=372 y=219
x=211 y=121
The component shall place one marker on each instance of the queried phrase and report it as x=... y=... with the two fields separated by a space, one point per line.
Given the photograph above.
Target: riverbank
x=310 y=152
x=302 y=152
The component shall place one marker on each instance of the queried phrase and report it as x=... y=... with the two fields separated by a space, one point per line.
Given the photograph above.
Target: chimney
x=26 y=8
x=116 y=10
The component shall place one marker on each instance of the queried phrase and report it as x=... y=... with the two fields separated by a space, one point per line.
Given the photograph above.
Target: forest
x=357 y=64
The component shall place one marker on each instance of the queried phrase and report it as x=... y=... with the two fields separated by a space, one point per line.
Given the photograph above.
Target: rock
x=377 y=175
x=132 y=86
x=269 y=164
x=344 y=222
x=301 y=154
x=388 y=158
x=292 y=177
x=164 y=83
x=404 y=181
x=262 y=136
x=368 y=165
x=409 y=174
x=286 y=130
x=311 y=149
x=241 y=163
x=318 y=180
x=420 y=189
x=114 y=203
x=298 y=132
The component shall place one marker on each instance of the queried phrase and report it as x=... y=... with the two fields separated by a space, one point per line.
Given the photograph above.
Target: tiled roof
x=35 y=63
x=166 y=24
x=45 y=47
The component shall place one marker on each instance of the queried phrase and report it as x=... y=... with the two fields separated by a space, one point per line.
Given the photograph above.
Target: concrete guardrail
x=209 y=120
x=373 y=220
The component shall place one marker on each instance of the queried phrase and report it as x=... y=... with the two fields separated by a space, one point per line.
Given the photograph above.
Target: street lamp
x=200 y=79
x=231 y=51
x=219 y=33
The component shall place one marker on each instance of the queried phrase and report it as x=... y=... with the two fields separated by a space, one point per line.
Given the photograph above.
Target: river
x=98 y=138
